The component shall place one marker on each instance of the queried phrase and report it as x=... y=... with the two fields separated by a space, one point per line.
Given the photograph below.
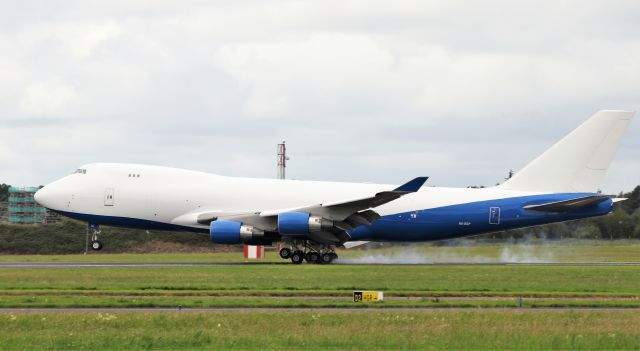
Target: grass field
x=195 y=301
x=473 y=279
x=262 y=285
x=313 y=330
x=459 y=289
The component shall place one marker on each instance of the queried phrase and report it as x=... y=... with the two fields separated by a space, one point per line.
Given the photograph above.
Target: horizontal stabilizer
x=569 y=205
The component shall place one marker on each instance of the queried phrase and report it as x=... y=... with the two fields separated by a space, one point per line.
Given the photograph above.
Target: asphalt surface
x=314 y=309
x=191 y=264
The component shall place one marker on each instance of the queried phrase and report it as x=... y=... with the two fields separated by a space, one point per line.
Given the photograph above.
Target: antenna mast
x=282 y=160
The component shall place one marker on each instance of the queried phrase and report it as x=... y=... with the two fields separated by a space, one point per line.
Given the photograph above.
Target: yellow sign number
x=367 y=296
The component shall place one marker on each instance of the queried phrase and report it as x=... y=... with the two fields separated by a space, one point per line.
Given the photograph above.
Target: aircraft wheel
x=312 y=257
x=297 y=257
x=327 y=258
x=96 y=245
x=285 y=253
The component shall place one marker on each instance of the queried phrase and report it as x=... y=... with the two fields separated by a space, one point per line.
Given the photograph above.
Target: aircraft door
x=108 y=197
x=494 y=215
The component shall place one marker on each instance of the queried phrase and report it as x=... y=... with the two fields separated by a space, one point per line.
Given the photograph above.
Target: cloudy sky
x=365 y=91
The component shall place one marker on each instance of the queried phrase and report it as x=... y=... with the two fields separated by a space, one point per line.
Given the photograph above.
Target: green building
x=23 y=209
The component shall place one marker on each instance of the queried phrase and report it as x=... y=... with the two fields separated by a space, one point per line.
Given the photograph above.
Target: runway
x=312 y=309
x=212 y=264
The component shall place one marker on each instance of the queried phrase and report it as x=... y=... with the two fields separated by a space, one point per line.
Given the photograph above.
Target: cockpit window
x=81 y=171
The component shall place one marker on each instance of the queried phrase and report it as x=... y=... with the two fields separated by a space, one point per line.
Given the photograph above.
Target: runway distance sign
x=368 y=296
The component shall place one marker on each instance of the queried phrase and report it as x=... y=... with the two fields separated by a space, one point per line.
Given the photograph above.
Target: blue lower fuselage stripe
x=421 y=225
x=472 y=219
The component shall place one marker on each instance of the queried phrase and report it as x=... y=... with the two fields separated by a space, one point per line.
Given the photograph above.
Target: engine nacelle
x=232 y=232
x=300 y=223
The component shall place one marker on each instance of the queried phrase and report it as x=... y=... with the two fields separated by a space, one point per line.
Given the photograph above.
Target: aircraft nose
x=43 y=197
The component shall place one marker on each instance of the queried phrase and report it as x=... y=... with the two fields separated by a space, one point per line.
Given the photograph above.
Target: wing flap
x=352 y=244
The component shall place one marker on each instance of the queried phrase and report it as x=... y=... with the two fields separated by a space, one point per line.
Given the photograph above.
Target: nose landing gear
x=96 y=245
x=94 y=231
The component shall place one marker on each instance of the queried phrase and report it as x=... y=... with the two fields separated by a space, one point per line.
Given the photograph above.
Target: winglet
x=412 y=186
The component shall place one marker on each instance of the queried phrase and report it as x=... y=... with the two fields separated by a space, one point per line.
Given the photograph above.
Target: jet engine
x=301 y=223
x=232 y=232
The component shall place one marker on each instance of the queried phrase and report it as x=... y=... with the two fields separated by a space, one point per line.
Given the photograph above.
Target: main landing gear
x=94 y=231
x=305 y=251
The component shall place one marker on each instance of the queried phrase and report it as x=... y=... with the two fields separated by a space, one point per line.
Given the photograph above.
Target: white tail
x=579 y=161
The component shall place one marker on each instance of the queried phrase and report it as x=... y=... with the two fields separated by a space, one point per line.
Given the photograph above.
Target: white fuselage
x=169 y=195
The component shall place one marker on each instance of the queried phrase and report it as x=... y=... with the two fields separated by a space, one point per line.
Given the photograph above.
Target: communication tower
x=282 y=160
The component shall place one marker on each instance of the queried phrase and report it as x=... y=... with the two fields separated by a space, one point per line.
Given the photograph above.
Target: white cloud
x=361 y=90
x=46 y=98
x=326 y=72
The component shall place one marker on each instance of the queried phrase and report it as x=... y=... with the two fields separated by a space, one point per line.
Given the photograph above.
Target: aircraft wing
x=345 y=214
x=340 y=210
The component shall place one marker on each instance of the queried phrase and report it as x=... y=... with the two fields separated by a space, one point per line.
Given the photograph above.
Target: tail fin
x=579 y=161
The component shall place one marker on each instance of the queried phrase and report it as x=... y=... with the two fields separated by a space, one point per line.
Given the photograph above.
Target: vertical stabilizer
x=579 y=161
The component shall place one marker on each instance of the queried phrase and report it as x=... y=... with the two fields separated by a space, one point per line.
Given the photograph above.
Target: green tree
x=618 y=225
x=633 y=202
x=4 y=192
x=586 y=230
x=635 y=218
x=558 y=231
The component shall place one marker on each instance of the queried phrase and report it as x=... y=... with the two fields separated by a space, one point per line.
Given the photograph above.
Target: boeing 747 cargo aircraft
x=312 y=218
